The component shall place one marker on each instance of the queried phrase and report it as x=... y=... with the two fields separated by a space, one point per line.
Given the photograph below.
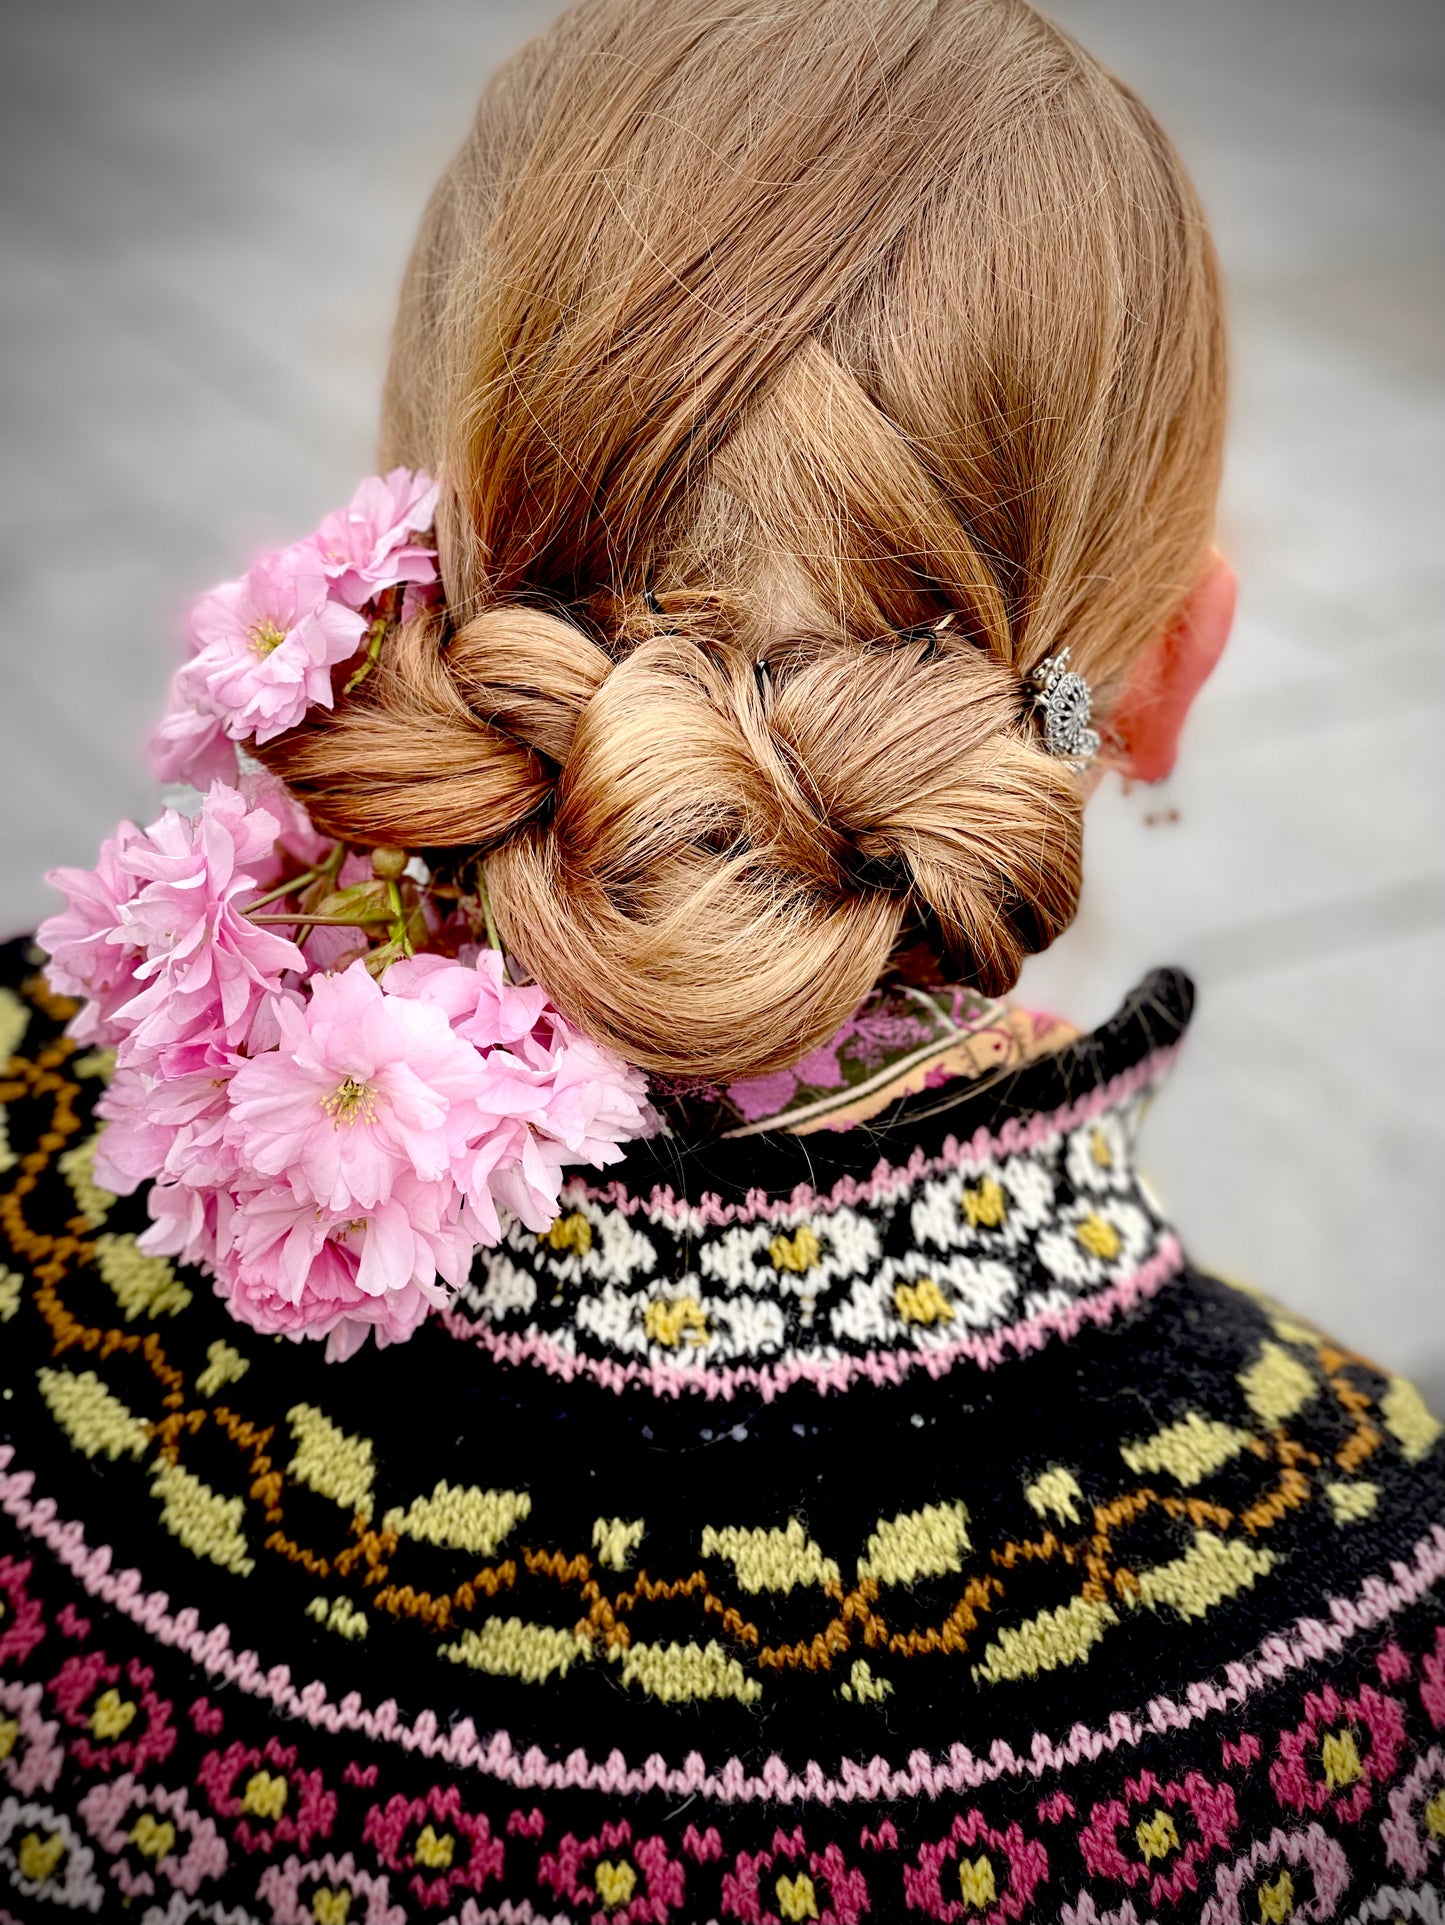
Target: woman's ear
x=1149 y=716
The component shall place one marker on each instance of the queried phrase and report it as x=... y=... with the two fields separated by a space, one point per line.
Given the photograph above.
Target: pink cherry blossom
x=296 y=834
x=364 y=1088
x=369 y=546
x=480 y=1004
x=190 y=743
x=267 y=645
x=183 y=1222
x=288 y=1269
x=91 y=955
x=165 y=1126
x=206 y=968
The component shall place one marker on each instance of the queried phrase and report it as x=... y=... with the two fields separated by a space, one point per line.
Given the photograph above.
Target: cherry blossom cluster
x=331 y=1084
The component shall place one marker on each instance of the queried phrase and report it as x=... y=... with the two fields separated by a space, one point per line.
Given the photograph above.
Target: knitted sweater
x=882 y=1524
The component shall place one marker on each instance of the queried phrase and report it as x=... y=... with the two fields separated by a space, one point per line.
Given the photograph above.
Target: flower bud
x=389 y=864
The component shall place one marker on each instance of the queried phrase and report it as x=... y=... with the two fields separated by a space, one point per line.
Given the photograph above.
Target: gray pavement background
x=205 y=212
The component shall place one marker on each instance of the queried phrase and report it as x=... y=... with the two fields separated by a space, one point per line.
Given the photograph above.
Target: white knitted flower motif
x=586 y=1243
x=1095 y=1241
x=680 y=1325
x=1098 y=1155
x=991 y=1209
x=929 y=1300
x=801 y=1255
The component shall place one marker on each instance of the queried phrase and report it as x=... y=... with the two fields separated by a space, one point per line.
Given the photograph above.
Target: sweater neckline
x=1141 y=1036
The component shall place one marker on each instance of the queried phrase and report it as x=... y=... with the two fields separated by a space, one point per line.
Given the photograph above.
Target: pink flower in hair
x=91 y=955
x=296 y=834
x=363 y=1089
x=190 y=743
x=288 y=1269
x=267 y=645
x=480 y=1004
x=165 y=1127
x=370 y=546
x=206 y=968
x=184 y=1222
x=553 y=1097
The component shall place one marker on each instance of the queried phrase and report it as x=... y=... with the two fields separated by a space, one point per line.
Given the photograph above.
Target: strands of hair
x=747 y=345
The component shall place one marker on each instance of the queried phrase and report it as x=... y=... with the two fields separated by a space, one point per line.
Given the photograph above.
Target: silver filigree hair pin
x=1065 y=703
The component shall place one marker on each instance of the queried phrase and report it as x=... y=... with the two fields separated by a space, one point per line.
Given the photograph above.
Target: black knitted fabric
x=885 y=1524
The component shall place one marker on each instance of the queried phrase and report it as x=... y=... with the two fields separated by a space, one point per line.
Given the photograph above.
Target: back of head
x=799 y=377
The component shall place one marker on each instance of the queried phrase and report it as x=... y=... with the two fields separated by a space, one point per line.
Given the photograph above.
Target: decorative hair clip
x=1065 y=703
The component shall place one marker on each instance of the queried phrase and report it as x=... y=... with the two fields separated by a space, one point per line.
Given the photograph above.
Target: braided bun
x=804 y=321
x=706 y=858
x=732 y=853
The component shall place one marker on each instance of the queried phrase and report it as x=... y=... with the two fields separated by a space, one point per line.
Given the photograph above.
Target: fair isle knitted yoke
x=880 y=1524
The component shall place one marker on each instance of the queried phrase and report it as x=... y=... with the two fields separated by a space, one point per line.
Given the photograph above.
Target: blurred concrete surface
x=205 y=212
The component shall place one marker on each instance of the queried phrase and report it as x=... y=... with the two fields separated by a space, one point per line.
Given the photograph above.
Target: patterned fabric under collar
x=878 y=1525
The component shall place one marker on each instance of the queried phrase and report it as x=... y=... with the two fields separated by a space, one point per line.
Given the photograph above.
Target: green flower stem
x=486 y=901
x=291 y=888
x=375 y=636
x=324 y=922
x=398 y=927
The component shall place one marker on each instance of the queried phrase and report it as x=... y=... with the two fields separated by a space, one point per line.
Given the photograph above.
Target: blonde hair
x=799 y=375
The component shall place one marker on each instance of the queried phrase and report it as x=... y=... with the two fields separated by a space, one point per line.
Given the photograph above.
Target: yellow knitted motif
x=1408 y=1420
x=330 y=1462
x=39 y=1858
x=1157 y=1836
x=1099 y=1149
x=984 y=1204
x=1190 y=1450
x=1276 y=1901
x=14 y=1021
x=461 y=1517
x=11 y=1288
x=1352 y=1502
x=99 y=1063
x=153 y=1837
x=570 y=1233
x=976 y=1883
x=615 y=1882
x=112 y=1714
x=93 y=1420
x=432 y=1849
x=1211 y=1570
x=1063 y=1636
x=1055 y=1494
x=8 y=1158
x=771 y=1560
x=265 y=1795
x=923 y=1543
x=683 y=1673
x=208 y=1524
x=798 y=1252
x=1340 y=1759
x=670 y=1320
x=338 y=1615
x=9 y=1735
x=1277 y=1386
x=1434 y=1815
x=862 y=1687
x=1099 y=1238
x=330 y=1907
x=615 y=1539
x=922 y=1302
x=797 y=1897
x=143 y=1286
x=223 y=1366
x=509 y=1648
x=77 y=1167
